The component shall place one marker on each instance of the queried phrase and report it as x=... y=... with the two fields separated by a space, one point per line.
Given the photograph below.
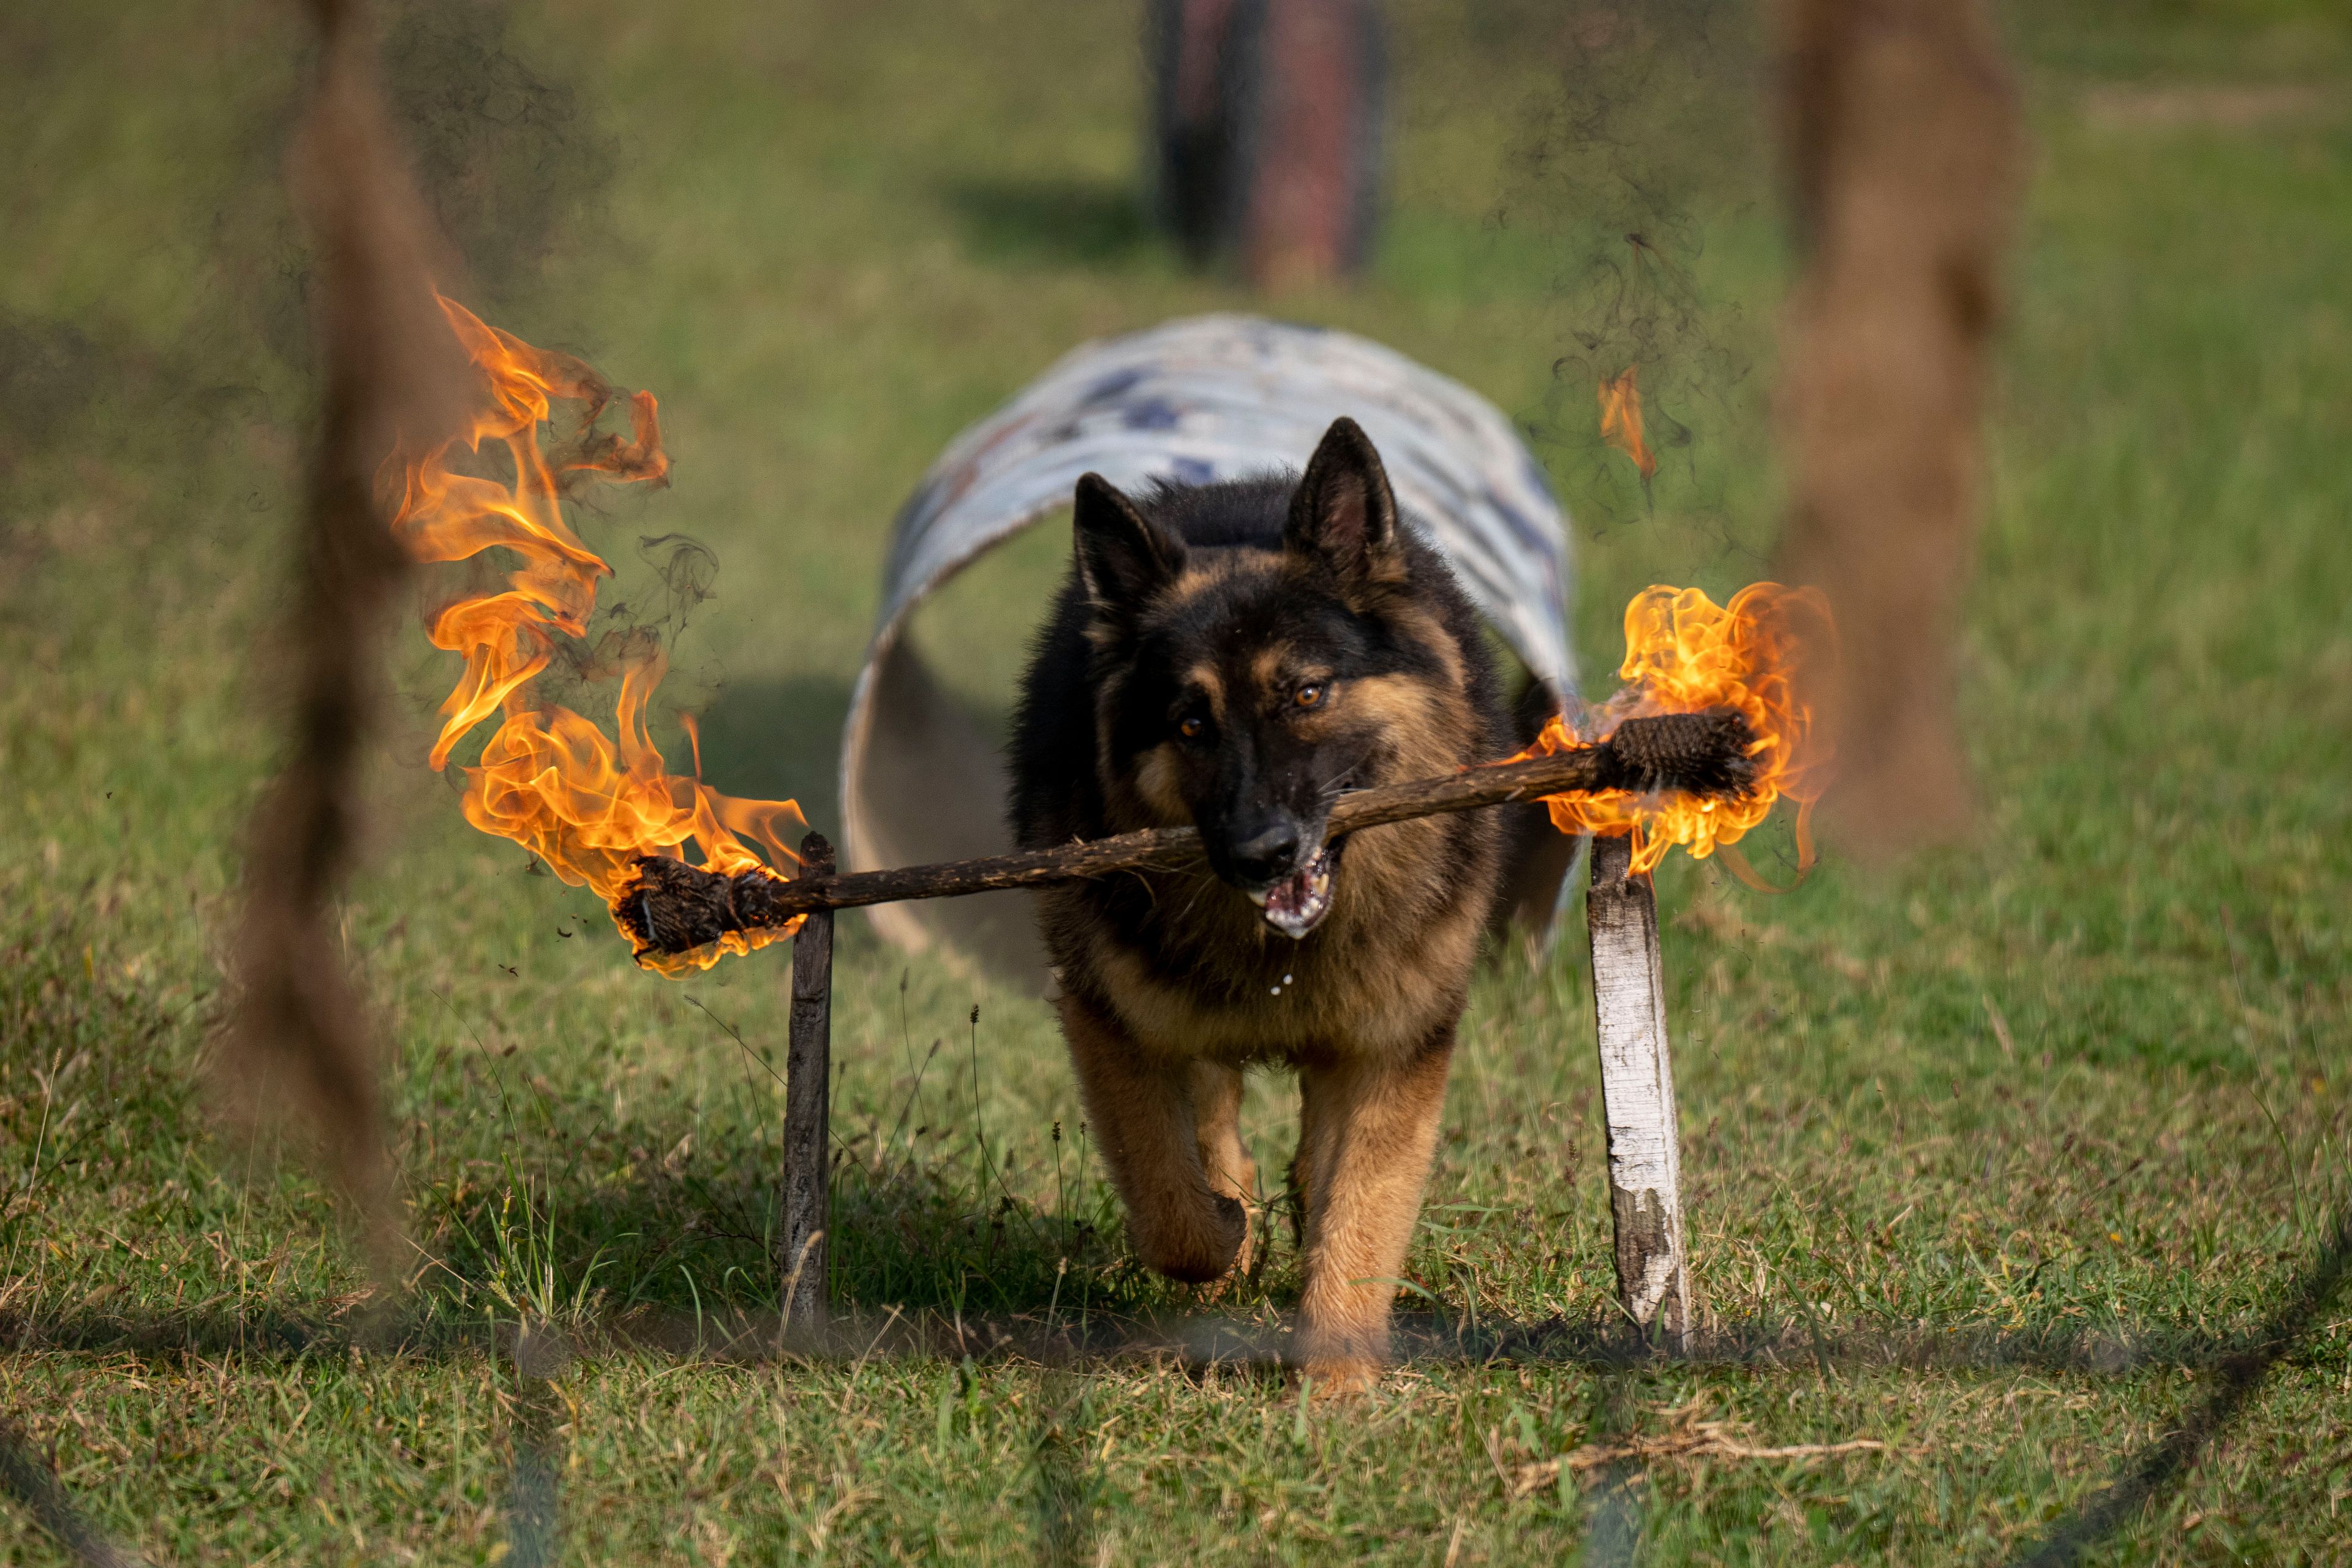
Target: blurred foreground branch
x=387 y=369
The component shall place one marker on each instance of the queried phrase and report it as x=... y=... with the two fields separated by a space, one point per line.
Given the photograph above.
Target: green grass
x=1994 y=1155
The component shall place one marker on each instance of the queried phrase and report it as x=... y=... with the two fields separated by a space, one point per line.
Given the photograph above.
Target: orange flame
x=1684 y=653
x=1620 y=420
x=549 y=779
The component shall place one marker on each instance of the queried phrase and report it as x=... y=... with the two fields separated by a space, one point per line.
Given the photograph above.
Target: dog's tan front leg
x=1141 y=1111
x=1367 y=1134
x=1217 y=1120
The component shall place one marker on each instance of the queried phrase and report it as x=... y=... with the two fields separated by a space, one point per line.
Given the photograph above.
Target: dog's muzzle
x=1297 y=903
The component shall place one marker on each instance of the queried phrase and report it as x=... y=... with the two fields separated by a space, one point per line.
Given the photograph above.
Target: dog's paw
x=1336 y=1380
x=1338 y=1360
x=1197 y=1252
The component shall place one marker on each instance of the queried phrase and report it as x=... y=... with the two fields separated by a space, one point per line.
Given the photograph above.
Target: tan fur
x=1367 y=1133
x=1201 y=573
x=1217 y=1130
x=1155 y=786
x=1271 y=672
x=1427 y=630
x=1427 y=735
x=1141 y=1109
x=1384 y=1003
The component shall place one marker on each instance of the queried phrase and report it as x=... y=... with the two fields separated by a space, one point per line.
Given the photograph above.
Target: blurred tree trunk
x=1903 y=146
x=1269 y=116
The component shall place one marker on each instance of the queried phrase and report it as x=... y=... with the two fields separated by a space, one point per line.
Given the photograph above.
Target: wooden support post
x=801 y=1243
x=1637 y=1095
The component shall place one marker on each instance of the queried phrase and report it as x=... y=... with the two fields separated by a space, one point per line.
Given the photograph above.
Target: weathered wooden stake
x=801 y=1242
x=1637 y=1095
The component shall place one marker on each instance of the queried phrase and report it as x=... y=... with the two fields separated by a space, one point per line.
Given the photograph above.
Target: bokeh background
x=2074 y=1084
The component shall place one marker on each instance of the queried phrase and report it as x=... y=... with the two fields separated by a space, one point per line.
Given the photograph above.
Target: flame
x=1684 y=653
x=1620 y=420
x=549 y=779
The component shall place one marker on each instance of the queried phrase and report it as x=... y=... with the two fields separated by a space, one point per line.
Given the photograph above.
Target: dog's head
x=1242 y=686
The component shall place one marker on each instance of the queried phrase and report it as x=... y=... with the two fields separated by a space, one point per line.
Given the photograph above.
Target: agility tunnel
x=1195 y=401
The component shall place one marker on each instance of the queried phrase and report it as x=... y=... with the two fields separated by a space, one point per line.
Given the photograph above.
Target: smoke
x=510 y=161
x=684 y=575
x=1902 y=148
x=1642 y=146
x=511 y=166
x=389 y=372
x=50 y=372
x=688 y=572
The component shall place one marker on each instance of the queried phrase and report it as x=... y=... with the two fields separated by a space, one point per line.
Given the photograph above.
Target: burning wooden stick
x=674 y=908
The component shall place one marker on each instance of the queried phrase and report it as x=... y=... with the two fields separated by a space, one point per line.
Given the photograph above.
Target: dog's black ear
x=1344 y=513
x=1123 y=556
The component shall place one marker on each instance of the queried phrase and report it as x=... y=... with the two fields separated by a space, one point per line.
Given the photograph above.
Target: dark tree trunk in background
x=1904 y=149
x=1193 y=120
x=1268 y=120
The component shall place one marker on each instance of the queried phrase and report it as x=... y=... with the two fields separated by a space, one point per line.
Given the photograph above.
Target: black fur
x=1190 y=576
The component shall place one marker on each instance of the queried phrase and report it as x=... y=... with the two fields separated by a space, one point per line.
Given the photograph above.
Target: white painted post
x=1637 y=1095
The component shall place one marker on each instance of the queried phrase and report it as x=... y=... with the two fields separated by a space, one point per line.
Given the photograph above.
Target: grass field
x=1991 y=1160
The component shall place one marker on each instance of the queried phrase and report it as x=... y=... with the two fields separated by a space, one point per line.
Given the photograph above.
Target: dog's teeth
x=1296 y=905
x=1260 y=895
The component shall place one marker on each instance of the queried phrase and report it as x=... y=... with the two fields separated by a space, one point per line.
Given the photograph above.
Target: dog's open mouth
x=1296 y=904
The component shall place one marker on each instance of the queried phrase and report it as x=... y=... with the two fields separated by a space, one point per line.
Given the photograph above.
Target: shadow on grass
x=2238 y=1376
x=29 y=1477
x=1065 y=222
x=1067 y=1486
x=1104 y=1339
x=690 y=1236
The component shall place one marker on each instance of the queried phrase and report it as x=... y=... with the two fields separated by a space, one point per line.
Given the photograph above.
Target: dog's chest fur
x=1193 y=970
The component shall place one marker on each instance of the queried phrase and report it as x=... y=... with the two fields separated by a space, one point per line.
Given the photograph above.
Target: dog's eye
x=1191 y=726
x=1309 y=695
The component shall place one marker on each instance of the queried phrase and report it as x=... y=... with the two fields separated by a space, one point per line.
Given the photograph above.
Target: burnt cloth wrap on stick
x=674 y=908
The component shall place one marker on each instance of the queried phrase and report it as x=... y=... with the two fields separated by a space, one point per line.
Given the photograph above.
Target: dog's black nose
x=1269 y=855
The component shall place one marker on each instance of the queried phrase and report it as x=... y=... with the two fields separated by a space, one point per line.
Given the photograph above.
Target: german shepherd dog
x=1234 y=656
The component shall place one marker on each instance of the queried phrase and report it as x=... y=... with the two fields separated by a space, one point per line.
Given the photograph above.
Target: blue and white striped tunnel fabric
x=1227 y=397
